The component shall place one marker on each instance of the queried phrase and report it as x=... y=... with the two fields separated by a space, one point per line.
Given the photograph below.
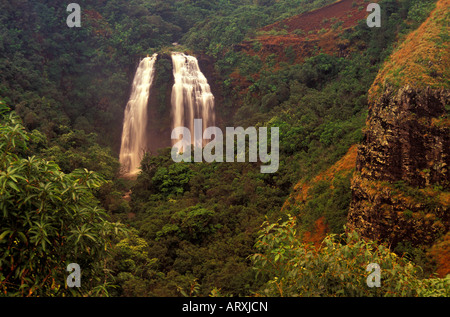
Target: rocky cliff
x=400 y=188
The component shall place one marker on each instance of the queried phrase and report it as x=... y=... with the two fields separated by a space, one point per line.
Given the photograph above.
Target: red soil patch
x=311 y=30
x=345 y=11
x=307 y=34
x=316 y=235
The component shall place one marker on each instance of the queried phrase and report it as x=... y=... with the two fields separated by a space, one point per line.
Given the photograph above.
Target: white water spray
x=191 y=97
x=134 y=137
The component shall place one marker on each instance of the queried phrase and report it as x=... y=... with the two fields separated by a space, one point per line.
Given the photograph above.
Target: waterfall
x=191 y=96
x=134 y=138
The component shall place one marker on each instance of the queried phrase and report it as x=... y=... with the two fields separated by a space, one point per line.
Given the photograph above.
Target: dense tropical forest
x=198 y=229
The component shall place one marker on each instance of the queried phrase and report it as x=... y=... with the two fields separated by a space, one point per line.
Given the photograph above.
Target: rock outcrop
x=407 y=139
x=400 y=187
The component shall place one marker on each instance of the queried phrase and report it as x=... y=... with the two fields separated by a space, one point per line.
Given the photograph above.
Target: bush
x=336 y=268
x=49 y=219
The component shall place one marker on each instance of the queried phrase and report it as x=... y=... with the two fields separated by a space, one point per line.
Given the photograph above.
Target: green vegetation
x=329 y=201
x=336 y=268
x=203 y=228
x=49 y=219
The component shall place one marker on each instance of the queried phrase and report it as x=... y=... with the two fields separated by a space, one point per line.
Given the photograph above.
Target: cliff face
x=401 y=186
x=407 y=138
x=402 y=169
x=159 y=125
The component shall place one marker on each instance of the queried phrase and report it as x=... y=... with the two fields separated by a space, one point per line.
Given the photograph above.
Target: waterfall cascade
x=191 y=96
x=134 y=137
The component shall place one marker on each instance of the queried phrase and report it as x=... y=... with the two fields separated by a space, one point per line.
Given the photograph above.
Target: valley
x=106 y=158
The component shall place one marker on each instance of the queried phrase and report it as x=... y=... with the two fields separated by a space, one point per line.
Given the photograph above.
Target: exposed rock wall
x=159 y=105
x=404 y=140
x=400 y=187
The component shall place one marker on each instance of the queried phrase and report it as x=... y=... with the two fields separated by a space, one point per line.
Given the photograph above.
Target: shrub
x=49 y=219
x=336 y=268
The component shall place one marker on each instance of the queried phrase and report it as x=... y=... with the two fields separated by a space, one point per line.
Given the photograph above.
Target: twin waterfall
x=191 y=99
x=191 y=96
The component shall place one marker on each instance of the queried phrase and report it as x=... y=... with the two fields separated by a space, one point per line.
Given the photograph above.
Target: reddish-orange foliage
x=240 y=82
x=440 y=252
x=423 y=59
x=99 y=24
x=92 y=14
x=444 y=199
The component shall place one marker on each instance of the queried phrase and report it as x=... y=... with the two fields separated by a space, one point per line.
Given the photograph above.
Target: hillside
x=309 y=33
x=401 y=185
x=321 y=204
x=422 y=59
x=297 y=38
